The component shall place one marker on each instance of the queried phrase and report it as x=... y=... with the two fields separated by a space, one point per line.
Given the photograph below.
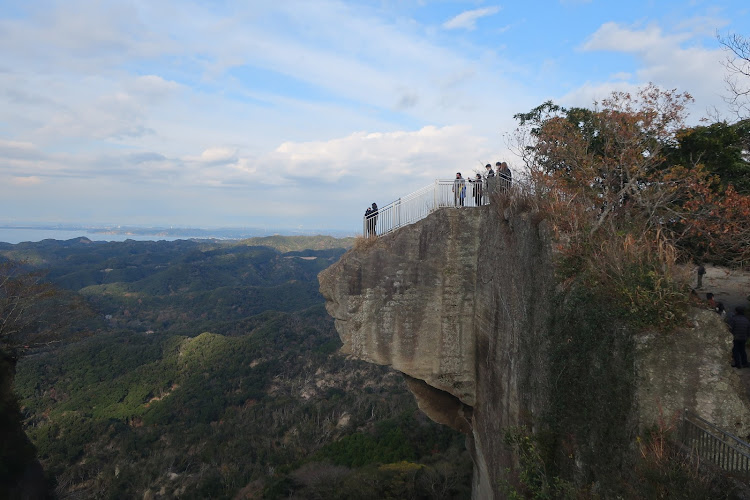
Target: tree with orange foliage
x=614 y=166
x=714 y=222
x=611 y=158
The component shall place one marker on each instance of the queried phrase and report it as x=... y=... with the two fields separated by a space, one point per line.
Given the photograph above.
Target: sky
x=298 y=114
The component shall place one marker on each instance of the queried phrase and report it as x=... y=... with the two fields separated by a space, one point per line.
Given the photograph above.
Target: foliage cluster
x=660 y=471
x=299 y=243
x=440 y=477
x=630 y=165
x=181 y=286
x=33 y=311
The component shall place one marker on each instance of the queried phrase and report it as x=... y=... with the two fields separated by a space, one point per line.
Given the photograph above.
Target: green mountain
x=210 y=370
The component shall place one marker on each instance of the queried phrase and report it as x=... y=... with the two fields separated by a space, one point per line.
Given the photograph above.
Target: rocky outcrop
x=408 y=301
x=690 y=369
x=462 y=303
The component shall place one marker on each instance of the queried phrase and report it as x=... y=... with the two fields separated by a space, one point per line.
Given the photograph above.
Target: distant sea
x=17 y=235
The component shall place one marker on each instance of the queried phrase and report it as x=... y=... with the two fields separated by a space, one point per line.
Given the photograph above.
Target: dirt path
x=729 y=286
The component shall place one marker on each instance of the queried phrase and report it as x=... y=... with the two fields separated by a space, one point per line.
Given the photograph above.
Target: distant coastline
x=15 y=234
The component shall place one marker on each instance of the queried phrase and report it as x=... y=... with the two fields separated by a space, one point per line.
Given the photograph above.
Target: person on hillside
x=701 y=270
x=716 y=306
x=740 y=327
x=710 y=300
x=459 y=190
x=476 y=190
x=720 y=309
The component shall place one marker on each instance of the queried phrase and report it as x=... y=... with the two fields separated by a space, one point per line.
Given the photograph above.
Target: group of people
x=371 y=219
x=481 y=186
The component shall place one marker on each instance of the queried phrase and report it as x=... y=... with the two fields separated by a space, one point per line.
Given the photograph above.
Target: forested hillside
x=210 y=370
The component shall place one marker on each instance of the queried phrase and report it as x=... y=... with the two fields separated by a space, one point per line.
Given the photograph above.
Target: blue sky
x=301 y=113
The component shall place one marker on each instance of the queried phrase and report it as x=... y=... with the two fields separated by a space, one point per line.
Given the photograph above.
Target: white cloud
x=585 y=95
x=15 y=149
x=25 y=181
x=218 y=155
x=467 y=20
x=614 y=37
x=154 y=87
x=671 y=60
x=423 y=154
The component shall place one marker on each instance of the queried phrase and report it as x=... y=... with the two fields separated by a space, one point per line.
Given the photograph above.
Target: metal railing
x=419 y=204
x=715 y=446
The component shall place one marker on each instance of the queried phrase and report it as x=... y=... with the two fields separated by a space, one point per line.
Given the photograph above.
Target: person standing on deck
x=459 y=190
x=476 y=190
x=374 y=217
x=505 y=176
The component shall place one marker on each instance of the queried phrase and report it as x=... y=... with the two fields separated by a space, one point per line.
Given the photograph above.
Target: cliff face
x=462 y=303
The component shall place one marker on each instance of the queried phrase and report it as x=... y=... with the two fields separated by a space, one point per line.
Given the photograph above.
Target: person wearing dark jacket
x=490 y=172
x=701 y=271
x=740 y=326
x=371 y=218
x=476 y=189
x=505 y=176
x=368 y=221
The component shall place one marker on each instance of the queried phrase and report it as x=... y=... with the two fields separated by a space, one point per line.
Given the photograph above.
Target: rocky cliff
x=464 y=304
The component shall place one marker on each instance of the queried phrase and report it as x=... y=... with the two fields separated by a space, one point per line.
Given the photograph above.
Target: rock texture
x=408 y=301
x=691 y=369
x=460 y=302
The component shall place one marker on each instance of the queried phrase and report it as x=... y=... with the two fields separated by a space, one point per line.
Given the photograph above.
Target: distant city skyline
x=302 y=113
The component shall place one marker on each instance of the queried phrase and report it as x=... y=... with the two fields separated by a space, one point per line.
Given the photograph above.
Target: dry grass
x=362 y=243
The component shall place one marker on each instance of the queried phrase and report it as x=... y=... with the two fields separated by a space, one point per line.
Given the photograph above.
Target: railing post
x=435 y=187
x=399 y=212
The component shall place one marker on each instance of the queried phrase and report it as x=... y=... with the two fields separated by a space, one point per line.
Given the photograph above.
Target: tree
x=721 y=148
x=612 y=158
x=631 y=166
x=738 y=79
x=22 y=298
x=714 y=222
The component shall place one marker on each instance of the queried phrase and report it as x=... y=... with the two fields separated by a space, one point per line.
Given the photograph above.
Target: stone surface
x=408 y=301
x=460 y=302
x=691 y=369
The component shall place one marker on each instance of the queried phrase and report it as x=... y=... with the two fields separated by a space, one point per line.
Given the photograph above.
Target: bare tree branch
x=738 y=77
